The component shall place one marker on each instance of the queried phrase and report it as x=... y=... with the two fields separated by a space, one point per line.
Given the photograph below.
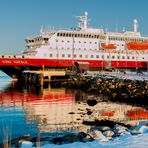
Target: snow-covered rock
x=26 y=144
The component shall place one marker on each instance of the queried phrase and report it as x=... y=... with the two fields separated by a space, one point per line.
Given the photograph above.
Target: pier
x=44 y=75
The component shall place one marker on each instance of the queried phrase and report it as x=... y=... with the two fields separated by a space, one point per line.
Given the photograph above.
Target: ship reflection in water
x=33 y=110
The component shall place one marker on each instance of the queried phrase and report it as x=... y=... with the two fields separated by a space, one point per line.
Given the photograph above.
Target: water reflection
x=29 y=109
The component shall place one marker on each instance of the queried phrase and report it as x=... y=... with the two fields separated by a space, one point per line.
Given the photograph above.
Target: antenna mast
x=83 y=20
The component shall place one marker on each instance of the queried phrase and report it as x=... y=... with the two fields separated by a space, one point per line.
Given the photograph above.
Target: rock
x=112 y=87
x=17 y=141
x=119 y=129
x=71 y=113
x=26 y=144
x=89 y=122
x=89 y=112
x=58 y=140
x=81 y=136
x=104 y=128
x=108 y=133
x=135 y=132
x=97 y=135
x=84 y=137
x=91 y=102
x=143 y=129
x=69 y=138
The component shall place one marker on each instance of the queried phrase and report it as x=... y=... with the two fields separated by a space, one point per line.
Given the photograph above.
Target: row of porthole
x=77 y=35
x=78 y=42
x=97 y=56
x=12 y=56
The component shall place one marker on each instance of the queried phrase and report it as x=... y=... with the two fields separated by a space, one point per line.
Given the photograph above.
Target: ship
x=80 y=45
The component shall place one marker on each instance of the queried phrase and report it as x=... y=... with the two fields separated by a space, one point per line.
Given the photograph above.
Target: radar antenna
x=83 y=20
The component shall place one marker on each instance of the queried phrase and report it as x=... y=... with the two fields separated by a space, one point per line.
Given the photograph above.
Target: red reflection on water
x=52 y=96
x=108 y=114
x=138 y=114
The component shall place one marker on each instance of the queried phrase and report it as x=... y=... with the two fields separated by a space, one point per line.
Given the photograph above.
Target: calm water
x=28 y=109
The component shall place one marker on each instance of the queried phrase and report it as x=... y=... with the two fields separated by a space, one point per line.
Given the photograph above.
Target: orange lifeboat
x=137 y=45
x=108 y=46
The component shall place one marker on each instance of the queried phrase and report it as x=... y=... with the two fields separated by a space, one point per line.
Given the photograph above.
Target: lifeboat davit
x=137 y=45
x=108 y=46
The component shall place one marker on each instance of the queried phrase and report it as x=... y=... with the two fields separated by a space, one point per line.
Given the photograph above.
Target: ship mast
x=83 y=20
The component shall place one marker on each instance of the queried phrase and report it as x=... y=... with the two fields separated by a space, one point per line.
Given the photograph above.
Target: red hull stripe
x=68 y=63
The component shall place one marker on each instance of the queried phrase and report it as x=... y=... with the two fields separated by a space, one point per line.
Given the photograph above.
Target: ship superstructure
x=92 y=45
x=100 y=49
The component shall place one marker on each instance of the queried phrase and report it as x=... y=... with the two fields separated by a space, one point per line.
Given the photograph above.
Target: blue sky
x=22 y=18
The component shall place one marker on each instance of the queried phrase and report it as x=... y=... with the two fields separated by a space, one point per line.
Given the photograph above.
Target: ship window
x=123 y=57
x=90 y=42
x=133 y=58
x=45 y=39
x=95 y=42
x=75 y=55
x=107 y=57
x=85 y=42
x=92 y=56
x=86 y=56
x=69 y=55
x=128 y=57
x=79 y=41
x=58 y=34
x=102 y=56
x=142 y=57
x=62 y=41
x=63 y=55
x=80 y=55
x=50 y=55
x=118 y=57
x=97 y=56
x=68 y=41
x=113 y=57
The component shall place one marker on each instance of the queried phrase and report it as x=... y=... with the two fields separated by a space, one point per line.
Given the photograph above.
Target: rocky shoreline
x=103 y=130
x=121 y=90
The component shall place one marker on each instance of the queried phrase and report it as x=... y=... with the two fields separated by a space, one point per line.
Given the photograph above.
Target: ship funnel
x=135 y=24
